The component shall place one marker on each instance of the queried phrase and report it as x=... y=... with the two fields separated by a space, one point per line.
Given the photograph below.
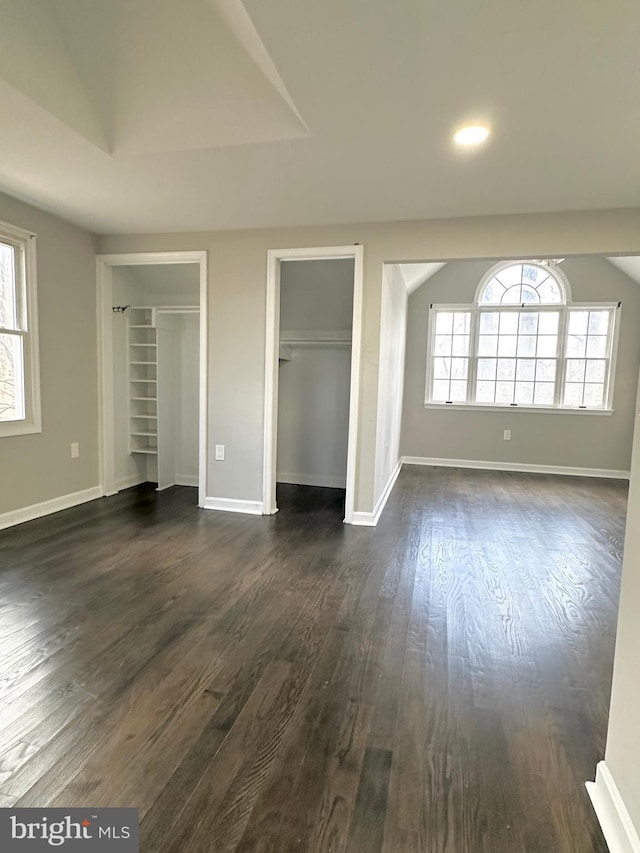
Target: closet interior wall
x=316 y=318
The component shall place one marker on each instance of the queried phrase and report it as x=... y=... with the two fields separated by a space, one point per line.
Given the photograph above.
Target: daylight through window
x=521 y=344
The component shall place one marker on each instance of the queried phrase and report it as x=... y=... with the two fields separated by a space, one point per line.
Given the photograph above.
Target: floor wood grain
x=439 y=684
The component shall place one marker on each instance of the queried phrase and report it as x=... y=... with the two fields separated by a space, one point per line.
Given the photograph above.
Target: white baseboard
x=617 y=827
x=231 y=505
x=328 y=482
x=370 y=519
x=186 y=479
x=130 y=481
x=28 y=513
x=521 y=467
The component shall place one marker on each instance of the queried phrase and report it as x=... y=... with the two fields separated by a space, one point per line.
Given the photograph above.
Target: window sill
x=8 y=428
x=545 y=410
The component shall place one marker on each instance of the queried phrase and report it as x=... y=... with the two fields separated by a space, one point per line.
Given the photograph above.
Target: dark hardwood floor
x=437 y=685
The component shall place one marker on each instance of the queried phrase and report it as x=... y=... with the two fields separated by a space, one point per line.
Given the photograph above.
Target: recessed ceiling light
x=472 y=134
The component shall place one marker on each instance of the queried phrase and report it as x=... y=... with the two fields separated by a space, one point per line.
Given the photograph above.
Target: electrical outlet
x=75 y=450
x=219 y=452
x=507 y=435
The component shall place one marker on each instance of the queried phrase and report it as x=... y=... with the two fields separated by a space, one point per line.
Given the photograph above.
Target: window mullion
x=561 y=368
x=472 y=372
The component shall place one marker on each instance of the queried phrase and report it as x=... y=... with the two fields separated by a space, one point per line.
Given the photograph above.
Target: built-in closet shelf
x=143 y=365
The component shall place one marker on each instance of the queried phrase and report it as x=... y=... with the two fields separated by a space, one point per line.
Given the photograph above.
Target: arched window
x=522 y=283
x=522 y=343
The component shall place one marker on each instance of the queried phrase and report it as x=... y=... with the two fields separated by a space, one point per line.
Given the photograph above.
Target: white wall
x=314 y=386
x=562 y=439
x=393 y=326
x=622 y=755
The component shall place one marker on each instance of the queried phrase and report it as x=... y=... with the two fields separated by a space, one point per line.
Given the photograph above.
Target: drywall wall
x=393 y=324
x=39 y=467
x=622 y=756
x=236 y=322
x=316 y=297
x=187 y=421
x=568 y=439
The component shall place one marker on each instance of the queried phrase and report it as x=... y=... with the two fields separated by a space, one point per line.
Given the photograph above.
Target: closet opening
x=315 y=378
x=152 y=365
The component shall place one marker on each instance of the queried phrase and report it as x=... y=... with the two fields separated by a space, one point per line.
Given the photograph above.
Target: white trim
x=497 y=407
x=187 y=479
x=104 y=264
x=28 y=513
x=370 y=519
x=231 y=505
x=272 y=342
x=321 y=480
x=27 y=305
x=615 y=821
x=129 y=482
x=522 y=467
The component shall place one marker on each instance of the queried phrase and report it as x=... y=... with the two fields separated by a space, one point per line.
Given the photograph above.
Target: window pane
x=576 y=346
x=460 y=345
x=526 y=369
x=578 y=321
x=596 y=346
x=444 y=322
x=510 y=275
x=512 y=296
x=549 y=291
x=573 y=394
x=488 y=345
x=458 y=391
x=487 y=368
x=596 y=371
x=524 y=393
x=593 y=394
x=528 y=324
x=485 y=392
x=506 y=368
x=598 y=322
x=527 y=345
x=493 y=292
x=507 y=345
x=461 y=323
x=529 y=294
x=504 y=392
x=543 y=394
x=441 y=368
x=443 y=345
x=546 y=370
x=547 y=346
x=7 y=287
x=548 y=323
x=11 y=379
x=509 y=322
x=575 y=370
x=440 y=390
x=489 y=323
x=459 y=368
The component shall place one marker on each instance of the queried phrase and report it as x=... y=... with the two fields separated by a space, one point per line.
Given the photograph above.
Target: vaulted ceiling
x=154 y=115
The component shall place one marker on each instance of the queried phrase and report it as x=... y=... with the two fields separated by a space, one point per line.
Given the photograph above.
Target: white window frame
x=563 y=308
x=26 y=296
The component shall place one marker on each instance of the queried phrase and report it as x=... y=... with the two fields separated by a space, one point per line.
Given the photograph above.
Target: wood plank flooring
x=439 y=684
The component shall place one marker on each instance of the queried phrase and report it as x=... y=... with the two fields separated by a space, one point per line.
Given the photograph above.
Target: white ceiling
x=149 y=115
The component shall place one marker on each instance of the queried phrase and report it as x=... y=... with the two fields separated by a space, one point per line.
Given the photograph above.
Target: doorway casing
x=104 y=270
x=272 y=339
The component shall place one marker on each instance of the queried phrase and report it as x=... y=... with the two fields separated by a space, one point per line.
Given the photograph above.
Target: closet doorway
x=152 y=354
x=312 y=379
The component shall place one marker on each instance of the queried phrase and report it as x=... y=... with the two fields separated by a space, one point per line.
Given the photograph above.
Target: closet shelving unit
x=142 y=348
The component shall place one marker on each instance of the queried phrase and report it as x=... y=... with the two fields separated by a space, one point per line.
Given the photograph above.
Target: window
x=19 y=386
x=522 y=344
